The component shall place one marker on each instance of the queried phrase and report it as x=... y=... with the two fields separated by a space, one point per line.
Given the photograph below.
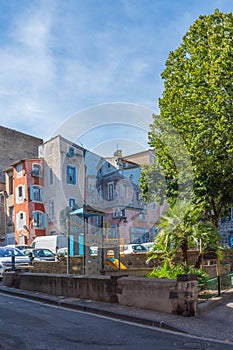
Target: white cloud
x=58 y=57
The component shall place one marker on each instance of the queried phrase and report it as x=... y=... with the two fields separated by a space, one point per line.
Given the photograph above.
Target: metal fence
x=215 y=286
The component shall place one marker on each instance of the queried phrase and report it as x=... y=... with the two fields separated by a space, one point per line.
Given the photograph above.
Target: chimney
x=118 y=153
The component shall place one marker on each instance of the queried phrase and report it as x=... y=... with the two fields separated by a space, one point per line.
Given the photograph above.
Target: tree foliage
x=181 y=228
x=197 y=103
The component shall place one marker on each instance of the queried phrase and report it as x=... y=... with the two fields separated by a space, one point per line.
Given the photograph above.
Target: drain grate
x=192 y=345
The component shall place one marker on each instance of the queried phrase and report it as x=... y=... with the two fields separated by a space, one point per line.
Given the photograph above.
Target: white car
x=62 y=252
x=134 y=248
x=148 y=246
x=10 y=258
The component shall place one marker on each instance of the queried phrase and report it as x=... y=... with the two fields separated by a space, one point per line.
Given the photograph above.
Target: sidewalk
x=215 y=320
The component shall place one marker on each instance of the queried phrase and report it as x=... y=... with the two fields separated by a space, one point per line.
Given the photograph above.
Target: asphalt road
x=30 y=325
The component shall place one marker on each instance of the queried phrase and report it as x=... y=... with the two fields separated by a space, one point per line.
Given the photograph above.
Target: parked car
x=62 y=252
x=40 y=254
x=10 y=257
x=148 y=246
x=19 y=246
x=53 y=242
x=134 y=248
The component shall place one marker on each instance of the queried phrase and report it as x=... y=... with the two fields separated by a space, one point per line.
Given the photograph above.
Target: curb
x=208 y=305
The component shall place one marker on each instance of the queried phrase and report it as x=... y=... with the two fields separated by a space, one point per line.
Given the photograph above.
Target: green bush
x=170 y=271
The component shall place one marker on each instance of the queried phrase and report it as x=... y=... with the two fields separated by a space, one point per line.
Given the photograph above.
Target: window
x=125 y=190
x=19 y=170
x=39 y=220
x=99 y=221
x=51 y=210
x=142 y=216
x=11 y=184
x=40 y=152
x=71 y=175
x=51 y=179
x=114 y=231
x=139 y=235
x=118 y=213
x=110 y=190
x=20 y=191
x=36 y=193
x=20 y=194
x=20 y=220
x=70 y=152
x=72 y=202
x=36 y=170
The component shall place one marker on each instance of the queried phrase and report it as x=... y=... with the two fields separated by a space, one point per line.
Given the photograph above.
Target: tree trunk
x=184 y=249
x=198 y=262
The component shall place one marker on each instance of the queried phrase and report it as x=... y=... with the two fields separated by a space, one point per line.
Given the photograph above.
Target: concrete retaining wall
x=176 y=297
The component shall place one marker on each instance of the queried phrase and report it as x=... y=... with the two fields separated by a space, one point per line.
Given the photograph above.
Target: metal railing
x=215 y=286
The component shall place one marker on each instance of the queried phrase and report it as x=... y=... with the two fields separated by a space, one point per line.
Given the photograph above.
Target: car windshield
x=8 y=252
x=39 y=253
x=138 y=248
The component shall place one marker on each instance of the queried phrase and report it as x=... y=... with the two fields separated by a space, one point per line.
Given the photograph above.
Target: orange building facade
x=29 y=212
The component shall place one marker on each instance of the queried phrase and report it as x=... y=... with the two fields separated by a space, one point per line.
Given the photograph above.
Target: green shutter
x=44 y=220
x=31 y=193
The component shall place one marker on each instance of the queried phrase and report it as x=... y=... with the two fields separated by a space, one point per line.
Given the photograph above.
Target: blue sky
x=60 y=57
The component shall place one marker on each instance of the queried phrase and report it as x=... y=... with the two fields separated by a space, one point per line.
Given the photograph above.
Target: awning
x=87 y=211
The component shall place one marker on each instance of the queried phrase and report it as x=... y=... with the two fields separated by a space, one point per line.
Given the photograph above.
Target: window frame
x=51 y=177
x=20 y=194
x=19 y=170
x=20 y=222
x=36 y=170
x=110 y=190
x=51 y=210
x=41 y=193
x=39 y=219
x=70 y=200
x=71 y=179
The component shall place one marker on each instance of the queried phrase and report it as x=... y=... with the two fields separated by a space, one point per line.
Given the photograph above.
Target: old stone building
x=14 y=145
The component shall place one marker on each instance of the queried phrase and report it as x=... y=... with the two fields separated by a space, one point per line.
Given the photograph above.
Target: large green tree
x=193 y=136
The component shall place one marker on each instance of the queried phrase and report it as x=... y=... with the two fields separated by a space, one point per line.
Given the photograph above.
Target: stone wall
x=16 y=145
x=136 y=265
x=170 y=296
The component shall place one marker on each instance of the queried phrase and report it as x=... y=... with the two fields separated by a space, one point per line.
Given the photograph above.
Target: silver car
x=10 y=258
x=39 y=254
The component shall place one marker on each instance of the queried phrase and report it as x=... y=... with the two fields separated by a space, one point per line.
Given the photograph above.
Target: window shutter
x=34 y=219
x=67 y=174
x=75 y=177
x=31 y=192
x=23 y=192
x=44 y=220
x=42 y=194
